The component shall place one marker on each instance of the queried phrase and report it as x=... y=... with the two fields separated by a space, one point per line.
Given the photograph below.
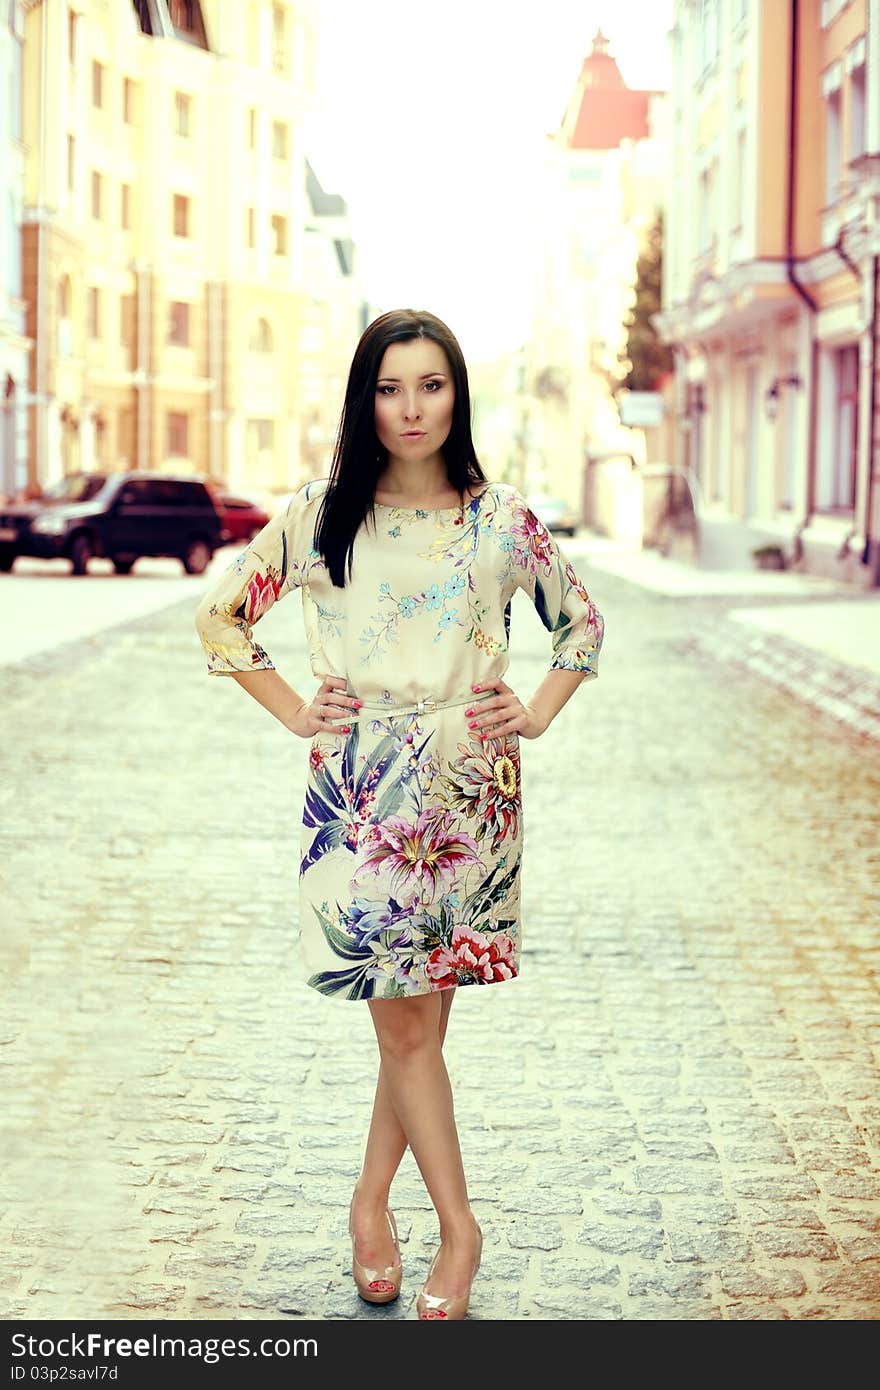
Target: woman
x=407 y=560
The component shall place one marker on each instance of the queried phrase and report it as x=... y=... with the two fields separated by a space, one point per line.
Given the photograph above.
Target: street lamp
x=771 y=400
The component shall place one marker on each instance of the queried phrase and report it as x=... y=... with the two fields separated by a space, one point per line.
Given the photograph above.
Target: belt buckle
x=424 y=705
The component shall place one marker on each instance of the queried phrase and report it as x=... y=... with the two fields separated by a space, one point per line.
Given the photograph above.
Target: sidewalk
x=813 y=636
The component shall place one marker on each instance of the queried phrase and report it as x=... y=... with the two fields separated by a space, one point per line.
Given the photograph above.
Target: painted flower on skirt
x=395 y=967
x=367 y=918
x=473 y=957
x=534 y=544
x=421 y=854
x=485 y=784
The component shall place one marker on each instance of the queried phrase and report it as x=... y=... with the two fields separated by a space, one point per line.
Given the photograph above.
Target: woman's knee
x=405 y=1028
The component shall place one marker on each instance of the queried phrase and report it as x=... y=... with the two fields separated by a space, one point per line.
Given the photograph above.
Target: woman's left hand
x=503 y=713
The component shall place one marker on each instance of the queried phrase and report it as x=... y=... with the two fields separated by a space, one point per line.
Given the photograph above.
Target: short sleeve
x=268 y=568
x=560 y=597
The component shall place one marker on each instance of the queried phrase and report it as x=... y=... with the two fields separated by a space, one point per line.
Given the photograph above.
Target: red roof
x=603 y=111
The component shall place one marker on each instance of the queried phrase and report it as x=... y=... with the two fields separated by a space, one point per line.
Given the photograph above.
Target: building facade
x=164 y=236
x=770 y=278
x=604 y=180
x=15 y=346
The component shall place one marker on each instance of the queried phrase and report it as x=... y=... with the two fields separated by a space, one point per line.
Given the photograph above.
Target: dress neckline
x=431 y=511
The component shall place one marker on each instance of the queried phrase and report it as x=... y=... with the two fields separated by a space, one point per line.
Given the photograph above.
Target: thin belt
x=424 y=706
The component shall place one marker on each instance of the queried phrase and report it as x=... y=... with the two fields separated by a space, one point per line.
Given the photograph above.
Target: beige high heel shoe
x=377 y=1285
x=430 y=1305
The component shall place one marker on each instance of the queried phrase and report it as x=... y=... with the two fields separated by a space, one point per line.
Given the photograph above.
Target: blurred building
x=770 y=277
x=332 y=320
x=15 y=347
x=606 y=170
x=168 y=239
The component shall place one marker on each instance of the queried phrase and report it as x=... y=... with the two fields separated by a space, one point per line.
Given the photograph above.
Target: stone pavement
x=674 y=1113
x=817 y=638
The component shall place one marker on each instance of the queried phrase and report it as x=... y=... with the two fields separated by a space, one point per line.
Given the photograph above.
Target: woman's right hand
x=329 y=702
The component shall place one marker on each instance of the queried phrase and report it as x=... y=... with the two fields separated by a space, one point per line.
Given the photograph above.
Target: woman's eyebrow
x=424 y=377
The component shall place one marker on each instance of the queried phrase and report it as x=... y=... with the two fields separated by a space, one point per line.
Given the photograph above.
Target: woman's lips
x=413 y=434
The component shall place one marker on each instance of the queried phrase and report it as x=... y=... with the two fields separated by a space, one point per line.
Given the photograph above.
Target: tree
x=647 y=357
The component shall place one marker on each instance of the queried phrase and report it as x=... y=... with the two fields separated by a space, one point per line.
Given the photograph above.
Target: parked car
x=242 y=517
x=121 y=515
x=555 y=513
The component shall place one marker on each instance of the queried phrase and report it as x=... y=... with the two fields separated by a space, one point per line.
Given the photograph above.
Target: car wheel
x=197 y=557
x=122 y=566
x=80 y=553
x=7 y=558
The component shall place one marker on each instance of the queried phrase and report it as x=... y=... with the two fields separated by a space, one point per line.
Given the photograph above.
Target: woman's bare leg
x=418 y=1084
x=386 y=1145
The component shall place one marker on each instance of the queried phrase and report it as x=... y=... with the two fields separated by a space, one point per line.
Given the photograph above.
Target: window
x=855 y=66
x=15 y=49
x=178 y=434
x=127 y=320
x=260 y=444
x=832 y=147
x=261 y=337
x=279 y=39
x=13 y=259
x=138 y=492
x=128 y=101
x=279 y=235
x=65 y=324
x=839 y=418
x=708 y=186
x=740 y=191
x=97 y=84
x=279 y=140
x=125 y=206
x=71 y=163
x=186 y=16
x=94 y=312
x=97 y=194
x=252 y=128
x=181 y=215
x=251 y=228
x=178 y=323
x=182 y=114
x=709 y=33
x=831 y=80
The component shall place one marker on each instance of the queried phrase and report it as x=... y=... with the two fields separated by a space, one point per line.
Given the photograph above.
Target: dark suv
x=118 y=515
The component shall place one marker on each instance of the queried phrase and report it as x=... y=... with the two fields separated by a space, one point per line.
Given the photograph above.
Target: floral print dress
x=412 y=827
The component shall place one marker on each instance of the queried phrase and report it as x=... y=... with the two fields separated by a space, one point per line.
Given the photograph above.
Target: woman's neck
x=412 y=484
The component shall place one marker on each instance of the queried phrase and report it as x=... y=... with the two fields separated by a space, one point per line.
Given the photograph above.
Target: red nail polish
x=468 y=711
x=475 y=687
x=472 y=724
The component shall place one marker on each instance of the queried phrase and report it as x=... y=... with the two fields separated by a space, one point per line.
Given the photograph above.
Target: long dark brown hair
x=359 y=456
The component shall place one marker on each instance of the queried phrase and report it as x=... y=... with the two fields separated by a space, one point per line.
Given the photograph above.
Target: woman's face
x=414 y=391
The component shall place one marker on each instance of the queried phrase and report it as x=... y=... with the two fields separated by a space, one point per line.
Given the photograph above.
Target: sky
x=428 y=120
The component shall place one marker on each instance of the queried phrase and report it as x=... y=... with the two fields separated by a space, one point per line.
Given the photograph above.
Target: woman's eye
x=436 y=384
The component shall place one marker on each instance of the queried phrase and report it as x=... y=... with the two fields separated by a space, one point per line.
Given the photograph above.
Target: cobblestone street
x=674 y=1113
